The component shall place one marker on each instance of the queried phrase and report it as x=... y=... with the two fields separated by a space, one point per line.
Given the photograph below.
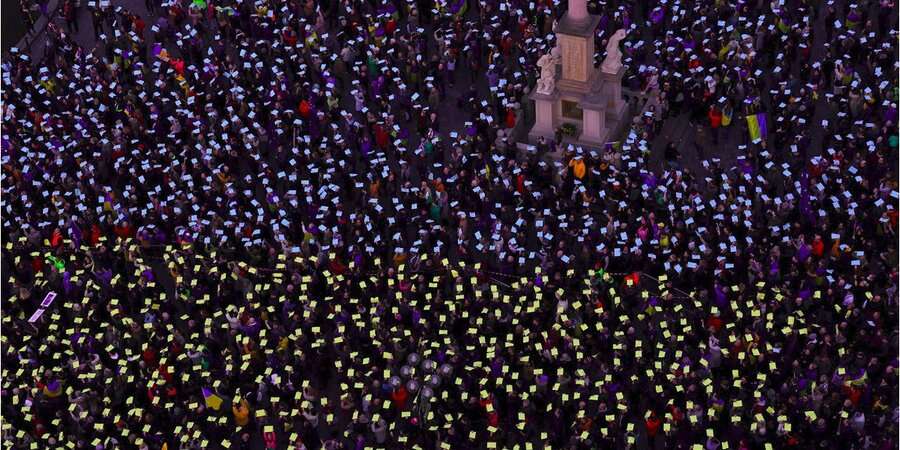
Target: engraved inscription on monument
x=573 y=60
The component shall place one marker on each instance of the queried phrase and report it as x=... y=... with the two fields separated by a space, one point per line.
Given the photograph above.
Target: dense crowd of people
x=265 y=224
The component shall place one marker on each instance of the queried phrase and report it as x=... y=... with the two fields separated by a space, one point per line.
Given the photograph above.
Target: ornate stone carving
x=547 y=63
x=613 y=60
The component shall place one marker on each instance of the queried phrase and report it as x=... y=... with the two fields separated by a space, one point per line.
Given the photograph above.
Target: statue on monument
x=547 y=63
x=613 y=60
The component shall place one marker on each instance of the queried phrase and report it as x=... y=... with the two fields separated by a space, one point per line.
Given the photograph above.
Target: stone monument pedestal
x=576 y=44
x=617 y=117
x=594 y=129
x=612 y=89
x=585 y=96
x=546 y=114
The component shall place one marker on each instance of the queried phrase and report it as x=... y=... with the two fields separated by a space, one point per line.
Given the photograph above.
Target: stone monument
x=588 y=98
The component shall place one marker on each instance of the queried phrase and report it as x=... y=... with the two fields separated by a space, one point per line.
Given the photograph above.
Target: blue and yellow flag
x=753 y=127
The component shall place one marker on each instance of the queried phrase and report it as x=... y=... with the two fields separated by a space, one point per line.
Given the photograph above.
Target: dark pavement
x=14 y=24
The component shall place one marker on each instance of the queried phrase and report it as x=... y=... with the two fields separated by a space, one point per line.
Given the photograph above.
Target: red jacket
x=164 y=371
x=510 y=118
x=714 y=322
x=652 y=425
x=818 y=248
x=635 y=278
x=95 y=234
x=399 y=398
x=337 y=267
x=123 y=231
x=493 y=417
x=289 y=39
x=381 y=137
x=56 y=239
x=149 y=357
x=305 y=109
x=178 y=65
x=715 y=117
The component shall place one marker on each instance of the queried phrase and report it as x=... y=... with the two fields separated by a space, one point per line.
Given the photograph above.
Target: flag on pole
x=459 y=8
x=763 y=127
x=753 y=127
x=53 y=389
x=212 y=400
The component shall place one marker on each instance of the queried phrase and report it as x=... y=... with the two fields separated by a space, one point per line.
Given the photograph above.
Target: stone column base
x=545 y=114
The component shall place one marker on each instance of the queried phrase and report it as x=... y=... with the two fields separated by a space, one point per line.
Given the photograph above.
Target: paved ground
x=677 y=129
x=13 y=23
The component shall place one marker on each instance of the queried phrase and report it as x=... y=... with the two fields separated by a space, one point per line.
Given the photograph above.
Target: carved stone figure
x=613 y=60
x=547 y=63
